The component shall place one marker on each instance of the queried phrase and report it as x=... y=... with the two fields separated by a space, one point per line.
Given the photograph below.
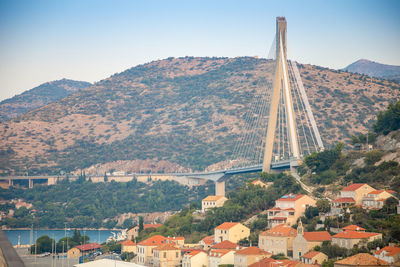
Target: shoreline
x=61 y=229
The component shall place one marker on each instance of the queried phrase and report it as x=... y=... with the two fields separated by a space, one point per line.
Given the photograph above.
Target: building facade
x=278 y=239
x=232 y=231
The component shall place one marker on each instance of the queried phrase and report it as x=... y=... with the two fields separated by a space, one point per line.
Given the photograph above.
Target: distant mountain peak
x=374 y=69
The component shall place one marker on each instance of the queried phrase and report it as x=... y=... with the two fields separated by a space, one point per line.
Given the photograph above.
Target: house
x=278 y=239
x=347 y=239
x=306 y=241
x=389 y=254
x=133 y=232
x=353 y=228
x=176 y=240
x=207 y=242
x=128 y=246
x=212 y=202
x=250 y=255
x=145 y=249
x=361 y=260
x=166 y=255
x=268 y=262
x=352 y=195
x=261 y=183
x=232 y=231
x=376 y=198
x=195 y=258
x=106 y=263
x=220 y=256
x=289 y=208
x=314 y=257
x=78 y=251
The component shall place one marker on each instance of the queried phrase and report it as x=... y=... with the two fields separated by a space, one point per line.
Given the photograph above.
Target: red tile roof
x=290 y=197
x=128 y=243
x=219 y=252
x=352 y=187
x=362 y=259
x=208 y=240
x=194 y=253
x=252 y=251
x=280 y=230
x=311 y=254
x=89 y=246
x=225 y=245
x=391 y=251
x=317 y=236
x=166 y=247
x=353 y=228
x=226 y=225
x=354 y=235
x=279 y=218
x=153 y=241
x=344 y=200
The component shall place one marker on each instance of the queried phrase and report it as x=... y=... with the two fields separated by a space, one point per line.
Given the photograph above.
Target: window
x=177 y=254
x=165 y=254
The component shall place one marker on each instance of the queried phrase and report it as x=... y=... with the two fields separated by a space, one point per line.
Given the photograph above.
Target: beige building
x=306 y=241
x=78 y=251
x=361 y=260
x=261 y=183
x=347 y=239
x=220 y=256
x=133 y=232
x=145 y=249
x=166 y=255
x=128 y=246
x=278 y=239
x=314 y=257
x=212 y=202
x=195 y=258
x=389 y=254
x=354 y=194
x=232 y=231
x=376 y=199
x=289 y=208
x=250 y=255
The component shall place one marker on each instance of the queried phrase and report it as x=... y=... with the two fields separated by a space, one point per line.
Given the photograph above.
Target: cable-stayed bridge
x=279 y=128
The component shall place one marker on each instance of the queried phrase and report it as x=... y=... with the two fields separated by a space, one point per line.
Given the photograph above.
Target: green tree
x=140 y=223
x=388 y=120
x=44 y=244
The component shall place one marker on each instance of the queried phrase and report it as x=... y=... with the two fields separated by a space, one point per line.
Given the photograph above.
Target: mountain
x=187 y=111
x=38 y=96
x=374 y=69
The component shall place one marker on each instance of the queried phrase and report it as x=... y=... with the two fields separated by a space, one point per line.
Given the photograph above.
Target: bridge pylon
x=281 y=87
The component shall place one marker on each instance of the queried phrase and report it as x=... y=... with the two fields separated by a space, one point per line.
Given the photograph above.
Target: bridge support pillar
x=30 y=183
x=220 y=188
x=10 y=182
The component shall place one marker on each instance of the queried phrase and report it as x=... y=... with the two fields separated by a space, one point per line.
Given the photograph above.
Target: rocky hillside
x=375 y=69
x=38 y=97
x=187 y=111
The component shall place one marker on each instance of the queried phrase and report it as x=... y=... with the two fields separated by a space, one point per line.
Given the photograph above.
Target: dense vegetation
x=86 y=204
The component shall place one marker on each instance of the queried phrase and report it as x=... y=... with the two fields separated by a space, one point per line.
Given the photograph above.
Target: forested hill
x=38 y=96
x=186 y=110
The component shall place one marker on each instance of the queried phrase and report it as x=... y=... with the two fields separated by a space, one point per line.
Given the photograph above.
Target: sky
x=46 y=40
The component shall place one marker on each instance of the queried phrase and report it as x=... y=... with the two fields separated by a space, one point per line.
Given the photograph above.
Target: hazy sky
x=89 y=40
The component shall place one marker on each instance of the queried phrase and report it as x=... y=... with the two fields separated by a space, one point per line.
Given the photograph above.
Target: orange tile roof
x=153 y=241
x=354 y=235
x=226 y=225
x=344 y=200
x=376 y=192
x=311 y=254
x=89 y=246
x=362 y=259
x=175 y=238
x=280 y=230
x=266 y=262
x=391 y=251
x=151 y=225
x=317 y=236
x=208 y=240
x=252 y=251
x=194 y=253
x=353 y=228
x=288 y=263
x=166 y=247
x=279 y=218
x=352 y=187
x=219 y=252
x=226 y=244
x=213 y=198
x=128 y=243
x=290 y=197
